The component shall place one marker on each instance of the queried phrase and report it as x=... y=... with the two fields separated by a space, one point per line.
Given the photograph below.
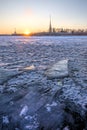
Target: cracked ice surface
x=25 y=90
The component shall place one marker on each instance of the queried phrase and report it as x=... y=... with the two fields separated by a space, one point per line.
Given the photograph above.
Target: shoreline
x=47 y=34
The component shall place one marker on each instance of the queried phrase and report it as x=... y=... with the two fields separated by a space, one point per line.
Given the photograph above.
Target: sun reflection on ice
x=32 y=67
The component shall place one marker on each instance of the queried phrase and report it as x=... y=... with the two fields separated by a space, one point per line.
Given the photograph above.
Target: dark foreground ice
x=43 y=83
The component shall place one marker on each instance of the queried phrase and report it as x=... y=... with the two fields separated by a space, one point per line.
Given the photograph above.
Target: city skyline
x=33 y=15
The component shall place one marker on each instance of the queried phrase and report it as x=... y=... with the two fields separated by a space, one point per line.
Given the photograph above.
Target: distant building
x=16 y=34
x=50 y=26
x=54 y=31
x=15 y=31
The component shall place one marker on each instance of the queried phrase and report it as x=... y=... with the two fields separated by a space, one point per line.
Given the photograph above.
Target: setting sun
x=27 y=32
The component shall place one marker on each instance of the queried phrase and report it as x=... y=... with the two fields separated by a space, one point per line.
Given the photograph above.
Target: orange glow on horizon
x=27 y=32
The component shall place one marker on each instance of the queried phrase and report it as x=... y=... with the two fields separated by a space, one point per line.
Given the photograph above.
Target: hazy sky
x=33 y=15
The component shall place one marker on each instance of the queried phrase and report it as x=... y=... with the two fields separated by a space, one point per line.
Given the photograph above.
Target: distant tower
x=50 y=26
x=15 y=31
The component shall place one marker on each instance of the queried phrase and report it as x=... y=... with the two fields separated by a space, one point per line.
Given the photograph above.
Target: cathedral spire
x=50 y=26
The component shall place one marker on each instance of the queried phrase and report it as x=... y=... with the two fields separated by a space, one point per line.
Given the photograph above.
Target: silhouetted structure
x=52 y=31
x=17 y=34
x=50 y=26
x=15 y=31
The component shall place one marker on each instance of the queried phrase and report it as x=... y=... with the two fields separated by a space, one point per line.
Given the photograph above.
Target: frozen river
x=16 y=52
x=29 y=100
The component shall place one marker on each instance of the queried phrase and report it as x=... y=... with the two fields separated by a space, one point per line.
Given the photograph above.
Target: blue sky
x=33 y=15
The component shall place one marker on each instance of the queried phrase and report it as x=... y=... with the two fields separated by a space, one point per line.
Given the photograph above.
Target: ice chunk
x=32 y=67
x=49 y=106
x=54 y=104
x=1 y=89
x=24 y=111
x=66 y=128
x=12 y=89
x=6 y=74
x=5 y=120
x=17 y=129
x=59 y=83
x=58 y=70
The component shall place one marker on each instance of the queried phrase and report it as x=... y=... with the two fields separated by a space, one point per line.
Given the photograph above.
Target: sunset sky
x=33 y=15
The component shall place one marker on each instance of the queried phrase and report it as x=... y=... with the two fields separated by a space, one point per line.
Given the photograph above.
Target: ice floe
x=24 y=111
x=58 y=70
x=5 y=120
x=6 y=74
